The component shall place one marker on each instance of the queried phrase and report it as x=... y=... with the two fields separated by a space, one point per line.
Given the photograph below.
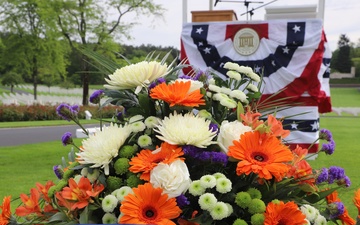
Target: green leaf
x=84 y=216
x=239 y=110
x=60 y=216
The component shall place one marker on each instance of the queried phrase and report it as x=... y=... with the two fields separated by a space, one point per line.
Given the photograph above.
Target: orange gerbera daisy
x=147 y=159
x=30 y=204
x=345 y=217
x=147 y=205
x=178 y=94
x=261 y=154
x=357 y=201
x=5 y=211
x=283 y=213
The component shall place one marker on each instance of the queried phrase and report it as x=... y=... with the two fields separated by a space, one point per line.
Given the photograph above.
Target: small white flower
x=245 y=70
x=109 y=203
x=252 y=88
x=100 y=148
x=223 y=185
x=238 y=95
x=151 y=122
x=185 y=129
x=234 y=75
x=137 y=126
x=220 y=211
x=136 y=118
x=228 y=103
x=230 y=209
x=225 y=90
x=196 y=189
x=231 y=66
x=214 y=88
x=320 y=220
x=122 y=192
x=208 y=181
x=136 y=75
x=220 y=96
x=144 y=140
x=207 y=201
x=109 y=218
x=253 y=76
x=230 y=131
x=307 y=222
x=174 y=179
x=211 y=81
x=219 y=175
x=309 y=211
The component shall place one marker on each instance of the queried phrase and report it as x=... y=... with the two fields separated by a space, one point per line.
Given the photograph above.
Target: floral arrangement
x=185 y=149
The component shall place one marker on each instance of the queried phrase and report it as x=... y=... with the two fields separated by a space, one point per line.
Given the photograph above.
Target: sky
x=340 y=17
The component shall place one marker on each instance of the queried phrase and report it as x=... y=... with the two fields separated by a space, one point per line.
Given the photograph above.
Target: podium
x=213 y=15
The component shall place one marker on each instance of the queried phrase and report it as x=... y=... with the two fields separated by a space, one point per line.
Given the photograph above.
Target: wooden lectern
x=213 y=15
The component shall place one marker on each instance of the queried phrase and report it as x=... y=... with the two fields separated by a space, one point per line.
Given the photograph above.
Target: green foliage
x=341 y=60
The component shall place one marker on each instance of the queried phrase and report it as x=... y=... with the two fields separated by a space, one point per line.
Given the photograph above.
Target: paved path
x=28 y=135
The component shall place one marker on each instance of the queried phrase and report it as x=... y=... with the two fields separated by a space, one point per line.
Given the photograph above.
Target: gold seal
x=246 y=41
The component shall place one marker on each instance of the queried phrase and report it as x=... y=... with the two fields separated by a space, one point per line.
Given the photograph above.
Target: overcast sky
x=341 y=17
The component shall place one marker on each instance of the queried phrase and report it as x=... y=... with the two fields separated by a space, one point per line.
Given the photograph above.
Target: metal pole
x=321 y=9
x=211 y=4
x=184 y=11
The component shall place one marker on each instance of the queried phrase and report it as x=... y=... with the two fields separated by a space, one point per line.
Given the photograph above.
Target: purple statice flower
x=335 y=173
x=96 y=96
x=58 y=172
x=192 y=151
x=325 y=134
x=345 y=181
x=329 y=147
x=323 y=176
x=156 y=82
x=214 y=127
x=182 y=201
x=219 y=157
x=66 y=139
x=204 y=156
x=336 y=209
x=67 y=112
x=186 y=77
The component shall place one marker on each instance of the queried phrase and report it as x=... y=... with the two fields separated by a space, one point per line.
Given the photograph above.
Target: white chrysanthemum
x=309 y=211
x=228 y=103
x=220 y=96
x=238 y=95
x=223 y=185
x=225 y=90
x=208 y=181
x=137 y=126
x=214 y=88
x=211 y=81
x=186 y=129
x=109 y=218
x=196 y=189
x=109 y=203
x=195 y=84
x=136 y=118
x=320 y=220
x=144 y=141
x=219 y=175
x=253 y=76
x=245 y=70
x=136 y=75
x=252 y=88
x=101 y=147
x=220 y=211
x=234 y=75
x=231 y=66
x=122 y=192
x=230 y=209
x=151 y=122
x=207 y=201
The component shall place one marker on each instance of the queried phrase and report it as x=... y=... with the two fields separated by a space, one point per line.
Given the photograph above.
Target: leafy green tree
x=341 y=60
x=97 y=25
x=11 y=79
x=31 y=45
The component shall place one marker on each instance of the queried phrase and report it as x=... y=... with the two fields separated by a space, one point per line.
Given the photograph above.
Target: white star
x=328 y=70
x=296 y=28
x=273 y=63
x=200 y=43
x=199 y=30
x=207 y=50
x=286 y=50
x=294 y=125
x=315 y=126
x=257 y=69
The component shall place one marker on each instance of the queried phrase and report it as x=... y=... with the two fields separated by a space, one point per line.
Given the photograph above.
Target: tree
x=342 y=61
x=97 y=24
x=30 y=42
x=11 y=79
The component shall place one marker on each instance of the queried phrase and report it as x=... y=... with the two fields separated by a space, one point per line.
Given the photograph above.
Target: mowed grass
x=22 y=166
